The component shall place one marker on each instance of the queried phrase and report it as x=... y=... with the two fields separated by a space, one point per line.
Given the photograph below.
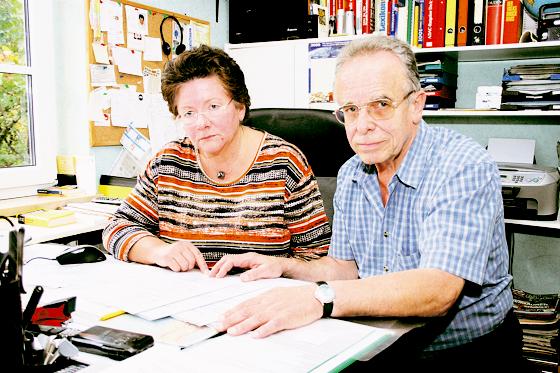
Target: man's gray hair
x=377 y=43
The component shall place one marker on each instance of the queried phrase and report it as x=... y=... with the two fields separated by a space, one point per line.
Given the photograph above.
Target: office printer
x=529 y=191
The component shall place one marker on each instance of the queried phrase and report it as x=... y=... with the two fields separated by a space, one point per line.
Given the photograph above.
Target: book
x=47 y=218
x=462 y=22
x=511 y=30
x=450 y=23
x=494 y=10
x=421 y=11
x=381 y=16
x=540 y=306
x=65 y=190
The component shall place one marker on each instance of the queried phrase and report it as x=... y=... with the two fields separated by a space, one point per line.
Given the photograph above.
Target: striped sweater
x=275 y=208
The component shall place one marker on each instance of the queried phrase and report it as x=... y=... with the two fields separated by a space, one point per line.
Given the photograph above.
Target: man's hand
x=179 y=256
x=260 y=266
x=276 y=310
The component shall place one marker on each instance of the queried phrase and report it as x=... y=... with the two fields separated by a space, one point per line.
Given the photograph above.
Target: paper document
x=299 y=350
x=512 y=150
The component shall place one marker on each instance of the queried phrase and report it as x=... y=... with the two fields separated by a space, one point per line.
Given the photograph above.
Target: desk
x=86 y=224
x=83 y=280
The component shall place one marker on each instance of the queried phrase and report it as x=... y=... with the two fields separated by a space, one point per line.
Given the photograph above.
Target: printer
x=529 y=191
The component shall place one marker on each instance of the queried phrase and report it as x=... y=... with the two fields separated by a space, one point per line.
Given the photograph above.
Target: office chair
x=317 y=133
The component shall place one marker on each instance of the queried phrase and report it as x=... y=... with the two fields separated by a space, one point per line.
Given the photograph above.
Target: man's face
x=379 y=76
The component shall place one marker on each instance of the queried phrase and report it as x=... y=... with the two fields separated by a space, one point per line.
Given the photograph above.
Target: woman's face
x=209 y=115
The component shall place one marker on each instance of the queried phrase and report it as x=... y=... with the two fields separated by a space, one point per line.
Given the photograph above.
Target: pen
x=48 y=191
x=111 y=315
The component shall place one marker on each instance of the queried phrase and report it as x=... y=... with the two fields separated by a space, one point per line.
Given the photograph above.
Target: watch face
x=325 y=294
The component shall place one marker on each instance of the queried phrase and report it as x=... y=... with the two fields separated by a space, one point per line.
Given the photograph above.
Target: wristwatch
x=325 y=294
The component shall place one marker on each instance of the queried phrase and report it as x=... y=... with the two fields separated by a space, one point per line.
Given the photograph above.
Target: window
x=27 y=121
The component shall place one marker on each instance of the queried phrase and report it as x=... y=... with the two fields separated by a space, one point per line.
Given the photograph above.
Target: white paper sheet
x=100 y=52
x=136 y=20
x=102 y=75
x=127 y=60
x=512 y=150
x=152 y=49
x=300 y=350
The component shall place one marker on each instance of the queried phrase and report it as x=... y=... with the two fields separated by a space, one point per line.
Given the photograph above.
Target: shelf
x=501 y=52
x=553 y=224
x=490 y=113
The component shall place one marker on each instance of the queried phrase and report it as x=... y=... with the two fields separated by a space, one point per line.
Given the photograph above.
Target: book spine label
x=512 y=21
x=494 y=21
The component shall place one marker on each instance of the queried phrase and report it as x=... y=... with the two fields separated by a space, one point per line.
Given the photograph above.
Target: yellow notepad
x=48 y=218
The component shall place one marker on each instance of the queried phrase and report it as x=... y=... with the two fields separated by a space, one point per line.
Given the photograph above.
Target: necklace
x=221 y=174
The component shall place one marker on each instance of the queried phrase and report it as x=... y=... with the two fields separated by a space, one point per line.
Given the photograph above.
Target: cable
x=8 y=220
x=38 y=257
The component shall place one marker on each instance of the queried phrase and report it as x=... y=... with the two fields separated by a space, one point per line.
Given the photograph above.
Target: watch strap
x=327 y=307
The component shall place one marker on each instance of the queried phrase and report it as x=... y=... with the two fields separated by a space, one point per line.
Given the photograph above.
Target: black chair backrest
x=315 y=132
x=320 y=137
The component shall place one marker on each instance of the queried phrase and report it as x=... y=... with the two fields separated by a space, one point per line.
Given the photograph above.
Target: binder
x=494 y=10
x=450 y=19
x=462 y=22
x=434 y=23
x=478 y=23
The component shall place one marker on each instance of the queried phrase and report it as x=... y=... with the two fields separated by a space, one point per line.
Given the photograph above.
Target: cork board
x=109 y=135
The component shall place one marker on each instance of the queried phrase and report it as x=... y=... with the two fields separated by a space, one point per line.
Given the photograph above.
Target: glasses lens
x=339 y=115
x=380 y=109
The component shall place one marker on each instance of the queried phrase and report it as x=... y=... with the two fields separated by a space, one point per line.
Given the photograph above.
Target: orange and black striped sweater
x=275 y=208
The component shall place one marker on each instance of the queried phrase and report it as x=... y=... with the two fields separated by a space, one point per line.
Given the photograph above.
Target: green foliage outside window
x=14 y=118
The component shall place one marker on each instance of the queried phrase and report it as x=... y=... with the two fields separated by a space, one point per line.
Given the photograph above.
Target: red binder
x=434 y=23
x=494 y=9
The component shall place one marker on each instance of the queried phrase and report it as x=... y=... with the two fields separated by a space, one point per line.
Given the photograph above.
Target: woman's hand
x=260 y=266
x=179 y=256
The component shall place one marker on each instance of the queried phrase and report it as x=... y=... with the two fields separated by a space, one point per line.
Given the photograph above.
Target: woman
x=225 y=188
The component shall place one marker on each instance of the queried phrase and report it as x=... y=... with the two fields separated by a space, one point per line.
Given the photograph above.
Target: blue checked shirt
x=444 y=211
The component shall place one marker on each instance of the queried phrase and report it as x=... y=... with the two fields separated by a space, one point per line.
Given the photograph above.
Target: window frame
x=24 y=180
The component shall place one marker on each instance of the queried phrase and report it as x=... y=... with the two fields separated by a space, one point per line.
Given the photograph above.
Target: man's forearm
x=323 y=269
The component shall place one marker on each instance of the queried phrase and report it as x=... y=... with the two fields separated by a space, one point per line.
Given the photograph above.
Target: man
x=418 y=228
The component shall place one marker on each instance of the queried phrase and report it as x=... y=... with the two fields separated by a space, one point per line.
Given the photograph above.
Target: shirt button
x=385 y=269
x=385 y=234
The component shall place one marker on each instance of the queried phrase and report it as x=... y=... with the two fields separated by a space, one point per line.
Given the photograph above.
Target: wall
x=72 y=69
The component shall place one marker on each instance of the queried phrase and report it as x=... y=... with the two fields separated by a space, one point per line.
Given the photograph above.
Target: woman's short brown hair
x=202 y=62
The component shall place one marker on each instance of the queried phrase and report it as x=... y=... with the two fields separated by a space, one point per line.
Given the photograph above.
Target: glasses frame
x=393 y=105
x=197 y=114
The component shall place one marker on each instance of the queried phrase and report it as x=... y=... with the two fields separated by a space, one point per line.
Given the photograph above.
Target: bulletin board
x=107 y=133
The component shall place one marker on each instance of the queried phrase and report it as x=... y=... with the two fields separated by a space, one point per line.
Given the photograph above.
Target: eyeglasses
x=379 y=110
x=213 y=111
